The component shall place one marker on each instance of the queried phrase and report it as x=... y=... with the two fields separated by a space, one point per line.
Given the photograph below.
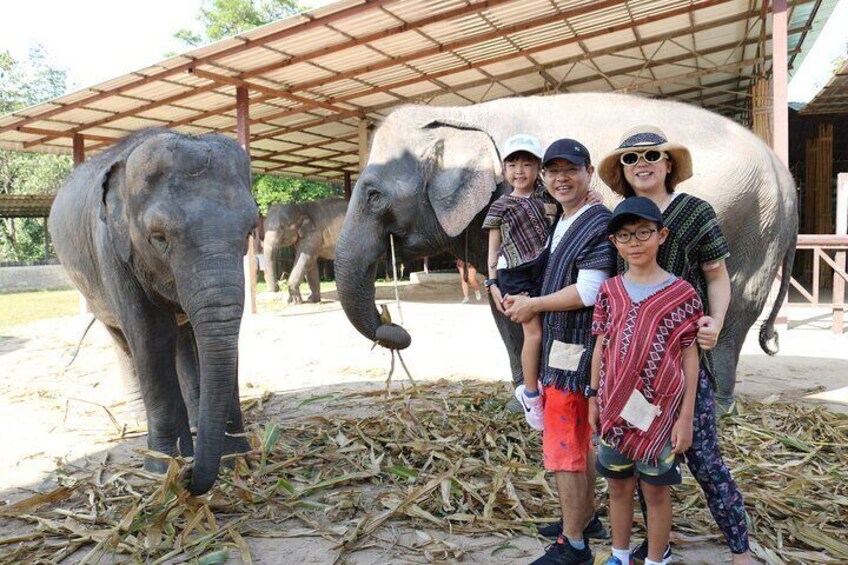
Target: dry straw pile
x=446 y=457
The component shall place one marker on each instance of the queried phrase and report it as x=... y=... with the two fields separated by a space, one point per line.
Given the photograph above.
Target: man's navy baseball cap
x=632 y=209
x=569 y=149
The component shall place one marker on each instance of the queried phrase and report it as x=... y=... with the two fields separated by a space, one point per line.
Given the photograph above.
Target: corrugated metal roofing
x=833 y=98
x=313 y=77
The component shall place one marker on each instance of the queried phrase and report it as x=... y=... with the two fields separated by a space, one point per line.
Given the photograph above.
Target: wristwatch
x=589 y=392
x=489 y=282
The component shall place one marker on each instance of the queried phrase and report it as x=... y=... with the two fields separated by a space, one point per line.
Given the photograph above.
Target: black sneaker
x=563 y=553
x=639 y=554
x=593 y=530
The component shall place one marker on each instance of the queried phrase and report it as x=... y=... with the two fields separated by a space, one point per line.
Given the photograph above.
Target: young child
x=518 y=232
x=645 y=375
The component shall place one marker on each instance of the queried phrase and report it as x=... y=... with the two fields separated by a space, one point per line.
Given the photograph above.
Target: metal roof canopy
x=833 y=98
x=314 y=79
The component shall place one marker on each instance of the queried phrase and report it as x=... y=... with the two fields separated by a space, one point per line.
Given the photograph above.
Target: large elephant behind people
x=153 y=232
x=312 y=230
x=432 y=172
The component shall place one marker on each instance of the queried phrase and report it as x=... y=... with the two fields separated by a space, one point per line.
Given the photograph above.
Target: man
x=581 y=258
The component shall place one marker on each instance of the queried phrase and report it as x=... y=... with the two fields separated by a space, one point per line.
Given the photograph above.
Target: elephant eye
x=158 y=241
x=373 y=195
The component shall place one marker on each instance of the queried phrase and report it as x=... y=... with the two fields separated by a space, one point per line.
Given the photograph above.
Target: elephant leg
x=272 y=273
x=188 y=372
x=134 y=403
x=153 y=342
x=314 y=280
x=513 y=338
x=298 y=272
x=725 y=360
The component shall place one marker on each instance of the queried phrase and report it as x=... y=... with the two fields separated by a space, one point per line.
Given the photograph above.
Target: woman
x=647 y=164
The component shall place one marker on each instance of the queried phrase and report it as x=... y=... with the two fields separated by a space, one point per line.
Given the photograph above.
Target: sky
x=97 y=40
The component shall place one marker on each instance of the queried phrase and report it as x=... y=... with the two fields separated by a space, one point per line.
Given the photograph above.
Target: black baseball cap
x=632 y=209
x=569 y=149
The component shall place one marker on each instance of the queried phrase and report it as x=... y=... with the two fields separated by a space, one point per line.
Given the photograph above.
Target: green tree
x=225 y=18
x=22 y=84
x=270 y=189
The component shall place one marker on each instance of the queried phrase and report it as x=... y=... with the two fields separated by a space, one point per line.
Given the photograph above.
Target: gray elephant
x=432 y=173
x=153 y=232
x=312 y=229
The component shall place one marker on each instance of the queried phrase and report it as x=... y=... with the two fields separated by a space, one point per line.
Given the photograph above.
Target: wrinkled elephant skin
x=153 y=232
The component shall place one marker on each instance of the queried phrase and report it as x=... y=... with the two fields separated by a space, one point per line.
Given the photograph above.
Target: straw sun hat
x=641 y=138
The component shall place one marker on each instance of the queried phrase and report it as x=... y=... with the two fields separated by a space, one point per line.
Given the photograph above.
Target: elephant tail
x=769 y=339
x=75 y=352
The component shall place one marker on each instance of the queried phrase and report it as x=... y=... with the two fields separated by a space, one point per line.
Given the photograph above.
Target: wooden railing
x=821 y=245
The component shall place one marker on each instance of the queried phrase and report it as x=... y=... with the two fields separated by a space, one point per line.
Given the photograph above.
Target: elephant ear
x=305 y=227
x=462 y=169
x=113 y=211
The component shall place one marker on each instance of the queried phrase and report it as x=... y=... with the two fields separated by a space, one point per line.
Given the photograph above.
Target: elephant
x=312 y=229
x=433 y=171
x=153 y=232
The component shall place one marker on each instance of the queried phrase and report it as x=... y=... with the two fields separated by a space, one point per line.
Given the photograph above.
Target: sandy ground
x=49 y=415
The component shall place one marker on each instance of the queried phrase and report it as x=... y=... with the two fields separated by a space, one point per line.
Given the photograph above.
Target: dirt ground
x=53 y=415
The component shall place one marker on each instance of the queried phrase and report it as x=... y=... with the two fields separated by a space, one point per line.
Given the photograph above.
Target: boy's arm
x=681 y=433
x=594 y=414
x=718 y=293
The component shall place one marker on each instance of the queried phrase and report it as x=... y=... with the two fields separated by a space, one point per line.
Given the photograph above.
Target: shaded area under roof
x=833 y=98
x=25 y=205
x=313 y=78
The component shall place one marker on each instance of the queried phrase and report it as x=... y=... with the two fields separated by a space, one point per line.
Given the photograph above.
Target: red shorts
x=567 y=438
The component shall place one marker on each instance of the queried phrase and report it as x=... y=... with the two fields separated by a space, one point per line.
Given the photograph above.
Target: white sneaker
x=464 y=300
x=532 y=408
x=478 y=296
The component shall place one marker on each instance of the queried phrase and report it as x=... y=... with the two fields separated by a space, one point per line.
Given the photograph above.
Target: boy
x=644 y=372
x=518 y=232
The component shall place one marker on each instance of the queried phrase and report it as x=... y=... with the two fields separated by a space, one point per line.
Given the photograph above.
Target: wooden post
x=78 y=149
x=79 y=158
x=364 y=144
x=762 y=111
x=243 y=133
x=841 y=229
x=348 y=189
x=780 y=80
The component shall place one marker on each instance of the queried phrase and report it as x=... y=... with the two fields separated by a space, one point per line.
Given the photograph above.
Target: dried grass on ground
x=446 y=457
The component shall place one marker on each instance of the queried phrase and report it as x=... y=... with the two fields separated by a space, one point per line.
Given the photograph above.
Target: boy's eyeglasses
x=650 y=156
x=642 y=234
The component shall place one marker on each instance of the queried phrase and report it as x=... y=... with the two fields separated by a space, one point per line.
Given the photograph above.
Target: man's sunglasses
x=650 y=156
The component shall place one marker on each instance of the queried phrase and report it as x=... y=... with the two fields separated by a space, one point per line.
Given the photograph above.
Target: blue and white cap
x=522 y=142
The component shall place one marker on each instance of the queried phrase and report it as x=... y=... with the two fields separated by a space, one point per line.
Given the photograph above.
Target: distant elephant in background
x=153 y=231
x=312 y=229
x=433 y=171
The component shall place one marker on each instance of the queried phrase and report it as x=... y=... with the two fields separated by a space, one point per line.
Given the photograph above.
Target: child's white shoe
x=532 y=408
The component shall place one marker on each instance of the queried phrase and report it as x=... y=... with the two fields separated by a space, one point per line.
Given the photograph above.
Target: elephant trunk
x=271 y=249
x=215 y=306
x=361 y=245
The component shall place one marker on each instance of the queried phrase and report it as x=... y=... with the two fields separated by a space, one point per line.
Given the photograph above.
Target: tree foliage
x=225 y=18
x=25 y=83
x=270 y=189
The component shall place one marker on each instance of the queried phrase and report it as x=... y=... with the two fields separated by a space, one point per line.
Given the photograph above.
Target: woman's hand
x=681 y=434
x=708 y=331
x=593 y=197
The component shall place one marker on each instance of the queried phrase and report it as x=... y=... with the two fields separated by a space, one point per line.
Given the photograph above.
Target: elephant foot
x=725 y=406
x=314 y=299
x=234 y=445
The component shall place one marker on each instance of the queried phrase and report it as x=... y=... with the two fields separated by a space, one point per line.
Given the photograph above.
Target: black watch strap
x=489 y=282
x=589 y=392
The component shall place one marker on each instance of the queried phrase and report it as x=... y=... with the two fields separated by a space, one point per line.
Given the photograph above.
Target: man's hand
x=708 y=330
x=681 y=434
x=519 y=308
x=594 y=416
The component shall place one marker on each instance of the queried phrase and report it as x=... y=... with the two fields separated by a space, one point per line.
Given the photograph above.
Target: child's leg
x=472 y=277
x=658 y=500
x=531 y=352
x=621 y=510
x=462 y=282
